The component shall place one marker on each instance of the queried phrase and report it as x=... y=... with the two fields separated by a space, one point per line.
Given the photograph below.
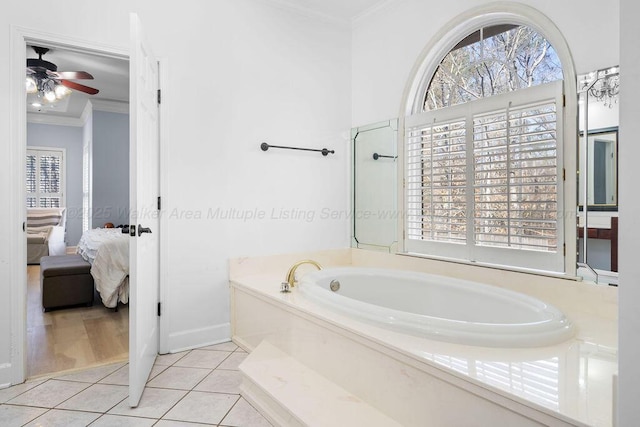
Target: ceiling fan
x=44 y=78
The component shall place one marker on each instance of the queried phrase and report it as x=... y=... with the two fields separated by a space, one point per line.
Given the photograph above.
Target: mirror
x=602 y=185
x=374 y=188
x=598 y=175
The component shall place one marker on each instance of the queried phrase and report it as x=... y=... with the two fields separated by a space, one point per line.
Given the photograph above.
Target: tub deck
x=410 y=378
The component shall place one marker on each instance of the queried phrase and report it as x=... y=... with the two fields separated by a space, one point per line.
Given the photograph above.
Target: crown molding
x=291 y=6
x=49 y=119
x=110 y=106
x=379 y=6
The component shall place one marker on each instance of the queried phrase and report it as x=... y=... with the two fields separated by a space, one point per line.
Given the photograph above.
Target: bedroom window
x=483 y=155
x=45 y=178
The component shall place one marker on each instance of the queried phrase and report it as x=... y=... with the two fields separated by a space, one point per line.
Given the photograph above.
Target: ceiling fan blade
x=70 y=75
x=78 y=86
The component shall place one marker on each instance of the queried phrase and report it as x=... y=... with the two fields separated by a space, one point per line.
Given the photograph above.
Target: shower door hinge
x=159 y=203
x=159 y=96
x=159 y=309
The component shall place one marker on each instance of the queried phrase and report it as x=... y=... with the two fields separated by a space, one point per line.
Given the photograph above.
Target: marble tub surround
x=415 y=379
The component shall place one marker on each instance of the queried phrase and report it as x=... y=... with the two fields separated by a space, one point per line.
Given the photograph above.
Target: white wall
x=271 y=76
x=238 y=73
x=629 y=315
x=110 y=175
x=69 y=138
x=397 y=34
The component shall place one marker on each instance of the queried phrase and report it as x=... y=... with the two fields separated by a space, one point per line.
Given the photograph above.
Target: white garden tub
x=439 y=307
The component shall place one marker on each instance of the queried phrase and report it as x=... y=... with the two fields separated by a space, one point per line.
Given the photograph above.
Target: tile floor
x=192 y=388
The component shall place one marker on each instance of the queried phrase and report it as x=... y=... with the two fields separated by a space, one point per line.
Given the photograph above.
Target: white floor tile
x=60 y=418
x=49 y=394
x=225 y=346
x=233 y=361
x=203 y=359
x=179 y=378
x=199 y=407
x=170 y=359
x=120 y=421
x=157 y=370
x=97 y=398
x=119 y=377
x=155 y=402
x=16 y=416
x=220 y=381
x=171 y=423
x=244 y=415
x=92 y=375
x=16 y=390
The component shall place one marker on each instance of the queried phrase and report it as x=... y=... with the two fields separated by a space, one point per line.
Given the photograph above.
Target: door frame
x=20 y=37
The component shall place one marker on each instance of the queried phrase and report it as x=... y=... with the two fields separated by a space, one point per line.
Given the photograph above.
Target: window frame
x=422 y=72
x=469 y=251
x=38 y=152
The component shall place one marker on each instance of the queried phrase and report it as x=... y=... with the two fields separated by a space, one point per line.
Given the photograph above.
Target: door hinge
x=159 y=309
x=564 y=249
x=24 y=226
x=159 y=203
x=564 y=174
x=159 y=96
x=564 y=100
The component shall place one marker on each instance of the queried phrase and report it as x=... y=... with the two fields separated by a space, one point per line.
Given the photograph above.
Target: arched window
x=491 y=61
x=483 y=157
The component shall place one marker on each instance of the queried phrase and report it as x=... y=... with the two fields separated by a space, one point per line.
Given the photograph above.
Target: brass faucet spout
x=291 y=279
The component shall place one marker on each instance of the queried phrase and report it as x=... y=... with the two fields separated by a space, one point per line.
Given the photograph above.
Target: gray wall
x=110 y=168
x=70 y=138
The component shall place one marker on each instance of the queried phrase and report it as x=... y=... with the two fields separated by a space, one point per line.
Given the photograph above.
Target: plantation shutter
x=483 y=180
x=44 y=178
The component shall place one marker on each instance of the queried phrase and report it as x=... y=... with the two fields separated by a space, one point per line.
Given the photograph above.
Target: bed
x=107 y=250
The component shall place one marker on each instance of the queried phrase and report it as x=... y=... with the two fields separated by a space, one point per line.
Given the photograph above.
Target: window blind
x=482 y=180
x=515 y=178
x=44 y=178
x=436 y=182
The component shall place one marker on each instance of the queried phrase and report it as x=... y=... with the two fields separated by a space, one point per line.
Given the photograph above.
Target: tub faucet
x=291 y=279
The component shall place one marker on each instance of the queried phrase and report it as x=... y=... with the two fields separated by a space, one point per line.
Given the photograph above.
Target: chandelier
x=46 y=89
x=602 y=85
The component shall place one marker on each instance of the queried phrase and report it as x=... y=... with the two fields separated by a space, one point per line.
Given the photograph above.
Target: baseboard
x=194 y=338
x=5 y=375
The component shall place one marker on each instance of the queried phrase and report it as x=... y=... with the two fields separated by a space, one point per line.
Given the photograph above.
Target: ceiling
x=111 y=78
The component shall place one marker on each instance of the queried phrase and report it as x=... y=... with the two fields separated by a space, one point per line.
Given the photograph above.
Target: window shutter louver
x=482 y=180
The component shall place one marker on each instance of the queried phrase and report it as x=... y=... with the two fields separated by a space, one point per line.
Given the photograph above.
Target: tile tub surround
x=208 y=395
x=566 y=384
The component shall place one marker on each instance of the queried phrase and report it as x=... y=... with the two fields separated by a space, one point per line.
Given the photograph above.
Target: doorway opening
x=93 y=132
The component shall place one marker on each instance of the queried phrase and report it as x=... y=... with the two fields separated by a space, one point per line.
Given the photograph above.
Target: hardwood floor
x=72 y=338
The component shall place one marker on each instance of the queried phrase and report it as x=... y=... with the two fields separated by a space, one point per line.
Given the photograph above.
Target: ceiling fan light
x=50 y=95
x=61 y=91
x=31 y=85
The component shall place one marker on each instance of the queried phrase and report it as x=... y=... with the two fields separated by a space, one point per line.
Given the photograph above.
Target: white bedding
x=107 y=250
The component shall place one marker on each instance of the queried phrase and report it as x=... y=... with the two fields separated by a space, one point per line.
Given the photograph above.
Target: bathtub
x=438 y=307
